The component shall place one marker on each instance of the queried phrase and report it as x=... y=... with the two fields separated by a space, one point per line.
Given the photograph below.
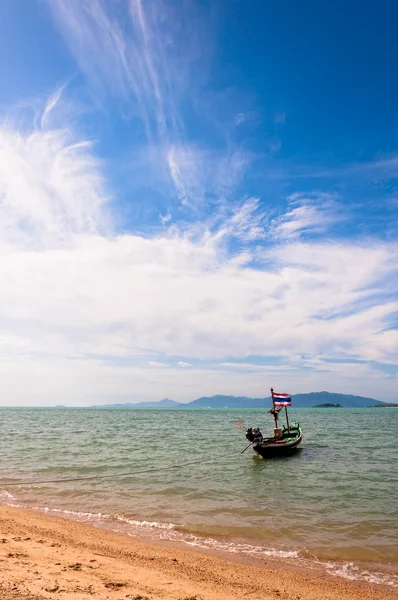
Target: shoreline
x=167 y=534
x=49 y=556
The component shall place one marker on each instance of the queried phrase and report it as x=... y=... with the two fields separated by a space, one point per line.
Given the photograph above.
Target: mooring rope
x=128 y=474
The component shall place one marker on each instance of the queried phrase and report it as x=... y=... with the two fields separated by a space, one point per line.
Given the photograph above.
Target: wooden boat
x=285 y=440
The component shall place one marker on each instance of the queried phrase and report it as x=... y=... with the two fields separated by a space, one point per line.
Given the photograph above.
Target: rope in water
x=129 y=474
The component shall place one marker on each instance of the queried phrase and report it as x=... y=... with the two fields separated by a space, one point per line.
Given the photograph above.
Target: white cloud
x=50 y=188
x=246 y=222
x=178 y=168
x=130 y=50
x=306 y=214
x=381 y=168
x=99 y=43
x=240 y=118
x=146 y=54
x=76 y=299
x=184 y=364
x=201 y=176
x=51 y=105
x=244 y=366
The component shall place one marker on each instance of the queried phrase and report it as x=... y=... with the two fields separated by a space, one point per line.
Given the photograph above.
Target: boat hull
x=271 y=449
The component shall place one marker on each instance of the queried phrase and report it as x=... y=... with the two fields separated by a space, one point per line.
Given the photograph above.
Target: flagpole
x=287 y=418
x=274 y=411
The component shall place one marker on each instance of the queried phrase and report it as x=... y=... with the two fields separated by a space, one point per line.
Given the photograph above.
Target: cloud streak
x=126 y=49
x=307 y=214
x=51 y=105
x=146 y=54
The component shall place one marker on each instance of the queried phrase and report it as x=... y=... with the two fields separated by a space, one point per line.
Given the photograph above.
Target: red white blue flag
x=282 y=400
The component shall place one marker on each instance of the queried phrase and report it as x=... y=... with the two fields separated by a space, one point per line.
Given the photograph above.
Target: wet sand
x=44 y=557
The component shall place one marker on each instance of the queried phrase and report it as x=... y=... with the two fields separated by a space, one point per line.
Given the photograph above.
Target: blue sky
x=197 y=198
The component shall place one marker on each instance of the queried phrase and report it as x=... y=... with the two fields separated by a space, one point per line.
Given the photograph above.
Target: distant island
x=311 y=400
x=385 y=405
x=165 y=403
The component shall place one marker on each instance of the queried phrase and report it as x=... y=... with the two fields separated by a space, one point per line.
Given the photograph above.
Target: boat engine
x=253 y=434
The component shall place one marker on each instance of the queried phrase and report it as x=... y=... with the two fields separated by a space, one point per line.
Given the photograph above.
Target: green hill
x=219 y=401
x=298 y=401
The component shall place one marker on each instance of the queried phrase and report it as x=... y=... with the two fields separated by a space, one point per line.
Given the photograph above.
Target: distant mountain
x=298 y=401
x=346 y=400
x=165 y=403
x=219 y=401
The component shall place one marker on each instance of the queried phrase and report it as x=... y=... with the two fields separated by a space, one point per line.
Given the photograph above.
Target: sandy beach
x=46 y=557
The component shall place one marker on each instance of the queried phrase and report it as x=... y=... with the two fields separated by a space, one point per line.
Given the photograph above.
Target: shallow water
x=179 y=475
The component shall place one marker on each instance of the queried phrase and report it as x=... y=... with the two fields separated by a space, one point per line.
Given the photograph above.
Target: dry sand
x=47 y=557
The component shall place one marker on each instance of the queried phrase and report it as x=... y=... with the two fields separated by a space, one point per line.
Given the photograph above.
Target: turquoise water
x=334 y=501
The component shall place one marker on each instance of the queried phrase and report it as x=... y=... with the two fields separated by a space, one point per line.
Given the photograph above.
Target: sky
x=197 y=197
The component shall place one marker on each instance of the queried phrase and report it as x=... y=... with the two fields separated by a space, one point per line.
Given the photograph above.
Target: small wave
x=354 y=572
x=81 y=515
x=10 y=500
x=255 y=551
x=73 y=513
x=345 y=570
x=6 y=496
x=152 y=524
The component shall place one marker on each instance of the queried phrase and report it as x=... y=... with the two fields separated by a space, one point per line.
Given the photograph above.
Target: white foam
x=256 y=551
x=152 y=524
x=345 y=570
x=354 y=572
x=6 y=496
x=74 y=513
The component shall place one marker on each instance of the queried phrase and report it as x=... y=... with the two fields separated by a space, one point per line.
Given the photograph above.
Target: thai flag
x=282 y=400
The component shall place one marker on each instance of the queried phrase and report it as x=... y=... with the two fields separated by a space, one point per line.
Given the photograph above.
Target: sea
x=180 y=476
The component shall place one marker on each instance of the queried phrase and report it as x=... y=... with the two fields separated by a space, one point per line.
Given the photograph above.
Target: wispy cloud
x=313 y=214
x=128 y=50
x=380 y=168
x=246 y=223
x=146 y=53
x=180 y=181
x=202 y=177
x=113 y=48
x=40 y=212
x=51 y=105
x=246 y=366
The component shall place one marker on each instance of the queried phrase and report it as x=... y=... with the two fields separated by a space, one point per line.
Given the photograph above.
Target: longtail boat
x=284 y=440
